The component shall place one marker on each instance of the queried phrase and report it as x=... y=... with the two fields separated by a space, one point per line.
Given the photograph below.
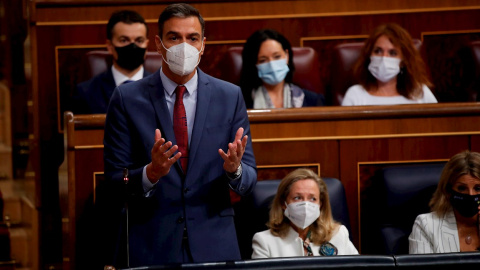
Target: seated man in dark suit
x=127 y=42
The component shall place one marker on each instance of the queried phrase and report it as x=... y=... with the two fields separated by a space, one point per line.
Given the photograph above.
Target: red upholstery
x=475 y=88
x=307 y=68
x=344 y=57
x=98 y=61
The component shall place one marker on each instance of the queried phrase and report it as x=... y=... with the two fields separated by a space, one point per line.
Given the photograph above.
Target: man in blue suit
x=127 y=42
x=179 y=202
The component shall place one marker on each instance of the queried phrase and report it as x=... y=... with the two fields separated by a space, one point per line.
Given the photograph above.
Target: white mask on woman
x=303 y=213
x=384 y=68
x=182 y=58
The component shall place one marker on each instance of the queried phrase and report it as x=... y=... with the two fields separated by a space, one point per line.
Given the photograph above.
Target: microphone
x=125 y=175
x=125 y=180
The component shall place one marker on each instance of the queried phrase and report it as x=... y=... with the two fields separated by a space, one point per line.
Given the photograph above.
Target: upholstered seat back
x=307 y=68
x=407 y=192
x=345 y=56
x=98 y=62
x=252 y=213
x=475 y=50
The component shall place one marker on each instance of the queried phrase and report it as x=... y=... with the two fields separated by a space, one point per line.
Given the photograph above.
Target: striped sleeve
x=420 y=240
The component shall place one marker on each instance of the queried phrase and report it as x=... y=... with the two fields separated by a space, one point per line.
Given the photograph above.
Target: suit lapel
x=157 y=96
x=203 y=101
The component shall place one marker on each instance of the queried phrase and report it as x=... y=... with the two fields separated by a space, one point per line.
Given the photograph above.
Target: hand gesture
x=162 y=158
x=235 y=152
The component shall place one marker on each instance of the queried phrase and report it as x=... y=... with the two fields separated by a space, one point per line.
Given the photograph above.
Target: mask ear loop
x=163 y=57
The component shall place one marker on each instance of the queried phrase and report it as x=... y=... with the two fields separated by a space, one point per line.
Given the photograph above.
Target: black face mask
x=466 y=205
x=131 y=56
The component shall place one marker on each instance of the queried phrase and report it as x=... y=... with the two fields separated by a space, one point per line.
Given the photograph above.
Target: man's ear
x=203 y=46
x=158 y=44
x=110 y=47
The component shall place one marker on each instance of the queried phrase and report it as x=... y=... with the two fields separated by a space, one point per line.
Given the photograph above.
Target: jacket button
x=185 y=190
x=180 y=220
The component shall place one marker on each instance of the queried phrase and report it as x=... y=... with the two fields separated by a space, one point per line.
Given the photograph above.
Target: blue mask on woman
x=273 y=72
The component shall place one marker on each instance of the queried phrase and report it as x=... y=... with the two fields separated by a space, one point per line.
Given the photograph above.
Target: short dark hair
x=125 y=16
x=249 y=79
x=180 y=10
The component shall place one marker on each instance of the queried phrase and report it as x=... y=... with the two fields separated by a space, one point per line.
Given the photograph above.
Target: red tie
x=180 y=126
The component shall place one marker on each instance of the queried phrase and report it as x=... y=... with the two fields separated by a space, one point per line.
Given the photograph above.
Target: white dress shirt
x=120 y=78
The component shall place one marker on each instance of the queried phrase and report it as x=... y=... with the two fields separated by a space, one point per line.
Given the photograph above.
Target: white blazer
x=266 y=245
x=434 y=234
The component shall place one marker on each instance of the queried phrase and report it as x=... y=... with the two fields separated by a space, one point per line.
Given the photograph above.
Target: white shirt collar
x=170 y=85
x=120 y=77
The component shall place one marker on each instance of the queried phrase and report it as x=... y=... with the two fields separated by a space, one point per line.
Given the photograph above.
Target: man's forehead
x=188 y=26
x=133 y=29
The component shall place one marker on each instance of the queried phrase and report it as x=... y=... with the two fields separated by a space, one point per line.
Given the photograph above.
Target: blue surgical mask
x=273 y=72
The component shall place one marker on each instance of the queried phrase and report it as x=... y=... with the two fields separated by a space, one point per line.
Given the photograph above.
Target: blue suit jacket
x=92 y=96
x=199 y=200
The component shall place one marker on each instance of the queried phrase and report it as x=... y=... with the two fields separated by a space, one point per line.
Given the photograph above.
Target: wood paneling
x=346 y=143
x=59 y=29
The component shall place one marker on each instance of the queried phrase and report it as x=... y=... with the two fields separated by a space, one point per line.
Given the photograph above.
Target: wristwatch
x=236 y=174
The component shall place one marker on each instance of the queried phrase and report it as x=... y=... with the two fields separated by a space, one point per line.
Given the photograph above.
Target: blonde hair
x=464 y=163
x=323 y=228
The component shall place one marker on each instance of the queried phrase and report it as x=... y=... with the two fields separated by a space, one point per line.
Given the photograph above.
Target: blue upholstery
x=252 y=213
x=407 y=191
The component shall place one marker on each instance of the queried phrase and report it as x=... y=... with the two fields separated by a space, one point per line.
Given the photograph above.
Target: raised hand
x=162 y=158
x=234 y=155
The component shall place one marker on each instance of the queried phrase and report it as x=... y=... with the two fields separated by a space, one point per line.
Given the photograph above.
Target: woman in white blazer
x=301 y=222
x=452 y=226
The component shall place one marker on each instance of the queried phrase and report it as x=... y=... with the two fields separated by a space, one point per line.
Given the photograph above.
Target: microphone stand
x=125 y=181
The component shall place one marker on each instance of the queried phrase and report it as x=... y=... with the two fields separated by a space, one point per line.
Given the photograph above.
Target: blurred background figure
x=452 y=226
x=390 y=71
x=267 y=72
x=127 y=42
x=301 y=222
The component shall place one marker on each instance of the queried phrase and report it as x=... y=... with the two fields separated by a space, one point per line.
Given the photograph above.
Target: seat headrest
x=307 y=67
x=98 y=62
x=405 y=182
x=345 y=56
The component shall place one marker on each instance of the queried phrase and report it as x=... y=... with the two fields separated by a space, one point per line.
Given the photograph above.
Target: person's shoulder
x=202 y=76
x=428 y=96
x=267 y=234
x=341 y=230
x=96 y=80
x=426 y=218
x=311 y=98
x=355 y=89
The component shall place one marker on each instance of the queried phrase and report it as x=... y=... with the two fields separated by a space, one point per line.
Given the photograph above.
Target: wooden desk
x=348 y=143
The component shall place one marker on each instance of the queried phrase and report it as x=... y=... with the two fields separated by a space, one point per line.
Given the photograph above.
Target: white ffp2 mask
x=384 y=68
x=182 y=58
x=303 y=213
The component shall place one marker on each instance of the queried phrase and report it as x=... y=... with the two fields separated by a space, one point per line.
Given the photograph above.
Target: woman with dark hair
x=389 y=70
x=267 y=72
x=301 y=222
x=453 y=224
